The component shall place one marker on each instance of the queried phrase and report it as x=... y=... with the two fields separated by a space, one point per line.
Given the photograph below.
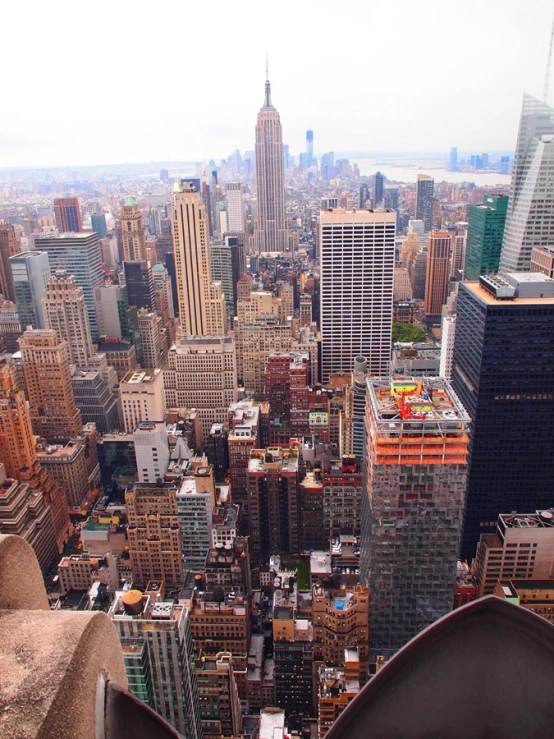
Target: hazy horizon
x=126 y=84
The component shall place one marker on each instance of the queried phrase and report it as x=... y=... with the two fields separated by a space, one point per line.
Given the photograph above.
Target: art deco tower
x=66 y=312
x=271 y=225
x=132 y=232
x=9 y=247
x=202 y=309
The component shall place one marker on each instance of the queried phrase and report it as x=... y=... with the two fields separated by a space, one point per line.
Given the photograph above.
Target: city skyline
x=474 y=99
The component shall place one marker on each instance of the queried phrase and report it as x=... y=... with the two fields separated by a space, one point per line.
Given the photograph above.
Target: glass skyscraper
x=485 y=233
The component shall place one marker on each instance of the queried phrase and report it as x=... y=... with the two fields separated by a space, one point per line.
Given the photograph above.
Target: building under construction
x=413 y=505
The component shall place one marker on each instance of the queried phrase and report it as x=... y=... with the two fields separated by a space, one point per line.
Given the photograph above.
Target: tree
x=407 y=332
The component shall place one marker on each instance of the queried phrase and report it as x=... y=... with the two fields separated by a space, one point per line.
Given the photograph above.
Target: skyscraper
x=412 y=508
x=530 y=217
x=68 y=215
x=66 y=313
x=157 y=646
x=503 y=355
x=140 y=284
x=453 y=159
x=235 y=208
x=154 y=535
x=437 y=273
x=378 y=190
x=425 y=188
x=132 y=232
x=357 y=271
x=30 y=273
x=485 y=234
x=98 y=224
x=80 y=255
x=201 y=301
x=9 y=247
x=309 y=148
x=47 y=371
x=271 y=226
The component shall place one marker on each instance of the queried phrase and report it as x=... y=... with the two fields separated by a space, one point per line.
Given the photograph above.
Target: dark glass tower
x=502 y=372
x=140 y=284
x=425 y=189
x=378 y=190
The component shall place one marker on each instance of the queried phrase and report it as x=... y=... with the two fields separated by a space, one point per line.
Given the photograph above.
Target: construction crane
x=548 y=66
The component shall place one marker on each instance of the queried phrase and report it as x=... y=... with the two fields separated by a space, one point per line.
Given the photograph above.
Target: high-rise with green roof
x=484 y=236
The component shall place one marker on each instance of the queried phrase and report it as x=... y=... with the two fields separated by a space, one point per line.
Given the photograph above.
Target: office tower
x=157 y=647
x=201 y=373
x=216 y=449
x=47 y=370
x=18 y=455
x=30 y=272
x=153 y=532
x=342 y=495
x=68 y=215
x=140 y=284
x=80 y=255
x=378 y=190
x=293 y=653
x=453 y=162
x=98 y=224
x=391 y=197
x=364 y=197
x=169 y=261
x=111 y=306
x=25 y=512
x=256 y=340
x=271 y=224
x=402 y=284
x=244 y=436
x=142 y=397
x=195 y=503
x=201 y=301
x=425 y=187
x=504 y=165
x=132 y=232
x=95 y=399
x=152 y=339
x=10 y=328
x=357 y=268
x=151 y=450
x=66 y=313
x=273 y=501
x=9 y=247
x=309 y=148
x=228 y=264
x=235 y=208
x=503 y=352
x=485 y=234
x=437 y=273
x=528 y=221
x=163 y=295
x=220 y=707
x=222 y=625
x=522 y=547
x=420 y=496
x=67 y=467
x=448 y=335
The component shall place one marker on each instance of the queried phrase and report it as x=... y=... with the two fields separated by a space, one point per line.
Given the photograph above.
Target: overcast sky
x=105 y=82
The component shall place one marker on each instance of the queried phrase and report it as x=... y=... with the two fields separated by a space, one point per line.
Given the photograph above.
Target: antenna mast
x=548 y=66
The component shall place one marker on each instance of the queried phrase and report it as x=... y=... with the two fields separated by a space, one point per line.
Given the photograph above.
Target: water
x=403 y=173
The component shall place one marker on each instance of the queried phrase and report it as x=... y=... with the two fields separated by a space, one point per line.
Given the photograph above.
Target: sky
x=111 y=82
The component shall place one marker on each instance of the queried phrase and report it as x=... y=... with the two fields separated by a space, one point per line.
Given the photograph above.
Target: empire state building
x=271 y=226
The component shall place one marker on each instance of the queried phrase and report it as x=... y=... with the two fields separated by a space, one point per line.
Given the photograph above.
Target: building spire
x=267 y=103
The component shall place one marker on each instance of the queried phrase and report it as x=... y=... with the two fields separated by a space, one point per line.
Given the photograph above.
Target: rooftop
x=504 y=294
x=263 y=459
x=141 y=377
x=272 y=723
x=538 y=520
x=427 y=404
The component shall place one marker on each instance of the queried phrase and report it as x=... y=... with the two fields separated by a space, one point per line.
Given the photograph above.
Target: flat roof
x=489 y=299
